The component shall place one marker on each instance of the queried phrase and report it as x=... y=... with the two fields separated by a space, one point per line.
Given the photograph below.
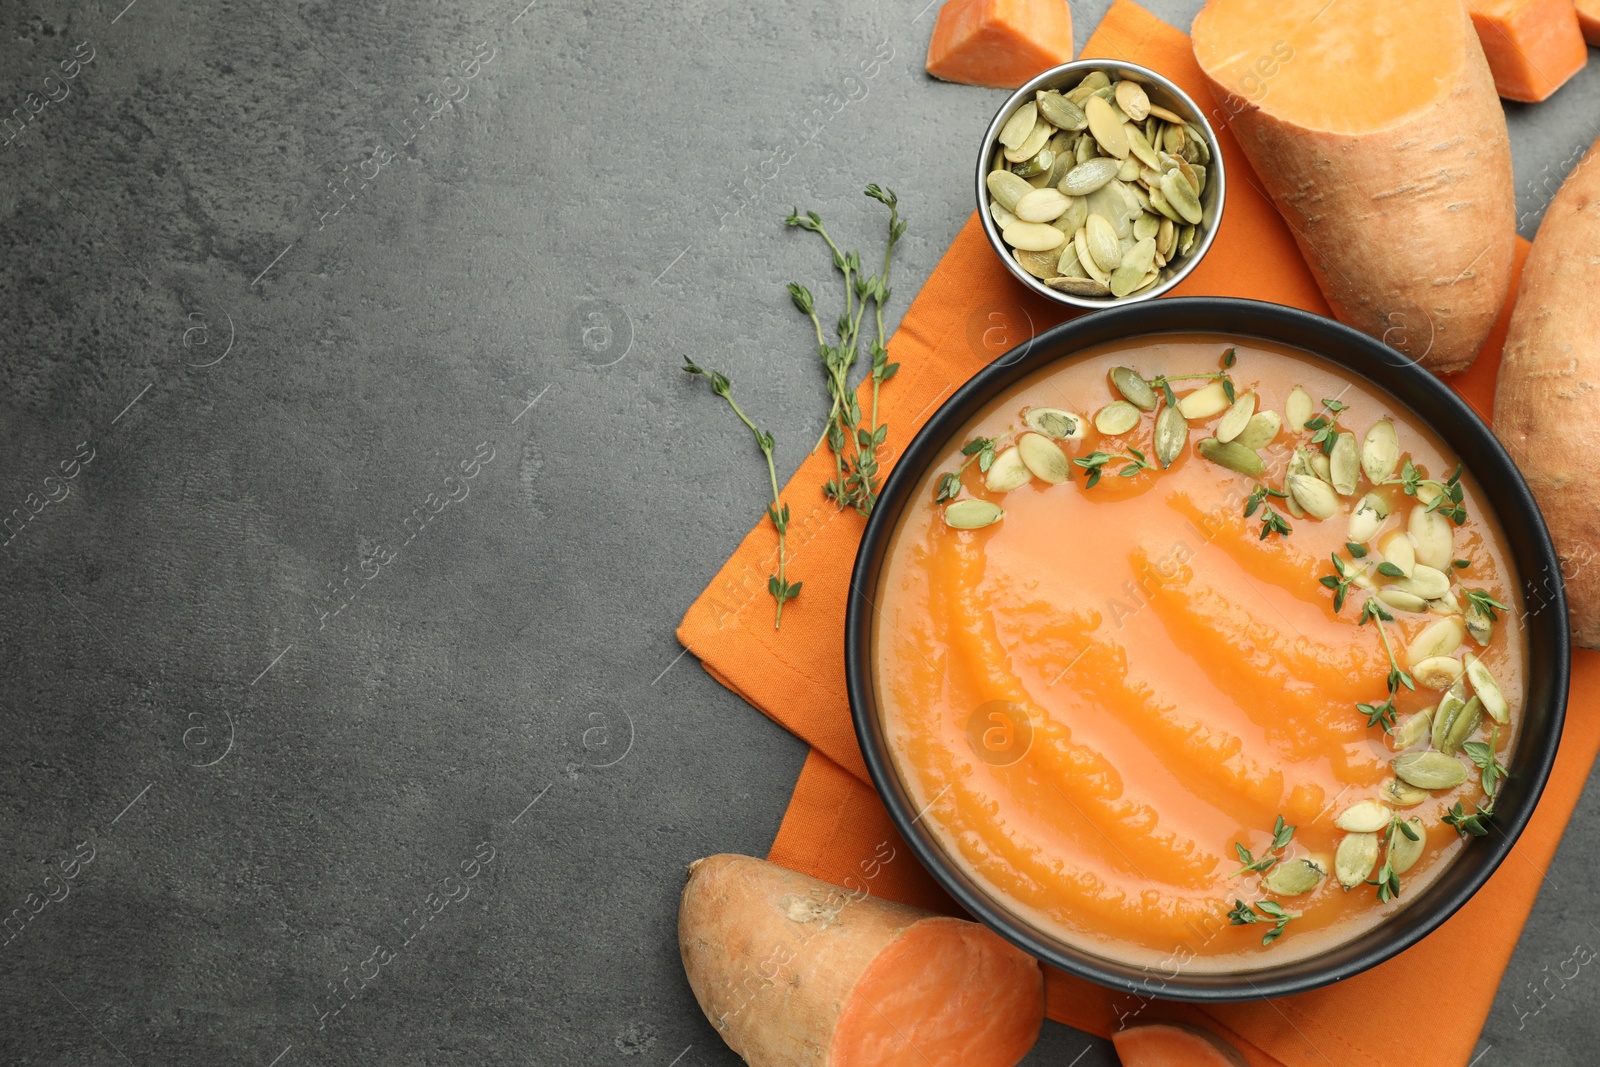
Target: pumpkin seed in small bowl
x=1120 y=163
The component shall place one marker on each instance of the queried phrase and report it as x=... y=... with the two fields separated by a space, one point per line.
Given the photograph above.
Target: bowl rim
x=1525 y=534
x=1217 y=178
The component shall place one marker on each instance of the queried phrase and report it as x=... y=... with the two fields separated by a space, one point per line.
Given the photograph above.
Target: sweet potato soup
x=1198 y=651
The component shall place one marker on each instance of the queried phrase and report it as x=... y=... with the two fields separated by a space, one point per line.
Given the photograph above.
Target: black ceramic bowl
x=1549 y=654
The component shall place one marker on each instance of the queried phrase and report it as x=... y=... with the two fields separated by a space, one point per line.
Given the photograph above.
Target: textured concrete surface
x=359 y=494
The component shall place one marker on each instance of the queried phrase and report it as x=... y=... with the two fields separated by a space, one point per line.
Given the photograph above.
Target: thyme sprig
x=1271 y=911
x=1383 y=714
x=1388 y=879
x=855 y=461
x=1484 y=603
x=1491 y=772
x=1272 y=521
x=1448 y=498
x=1325 y=427
x=1095 y=463
x=979 y=450
x=1163 y=381
x=1282 y=834
x=778 y=584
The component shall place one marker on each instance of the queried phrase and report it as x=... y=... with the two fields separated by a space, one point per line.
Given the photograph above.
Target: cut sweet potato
x=1547 y=401
x=999 y=43
x=1589 y=20
x=1375 y=128
x=1173 y=1045
x=794 y=972
x=1533 y=46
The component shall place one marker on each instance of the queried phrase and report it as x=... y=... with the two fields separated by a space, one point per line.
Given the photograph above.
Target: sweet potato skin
x=1171 y=1044
x=773 y=958
x=1547 y=399
x=1409 y=230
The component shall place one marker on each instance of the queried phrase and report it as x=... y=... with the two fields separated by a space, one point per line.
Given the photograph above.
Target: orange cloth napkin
x=971 y=311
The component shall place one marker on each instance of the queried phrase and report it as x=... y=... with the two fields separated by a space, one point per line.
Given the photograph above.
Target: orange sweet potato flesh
x=1589 y=20
x=1533 y=46
x=1547 y=399
x=794 y=972
x=1173 y=1045
x=999 y=43
x=1375 y=128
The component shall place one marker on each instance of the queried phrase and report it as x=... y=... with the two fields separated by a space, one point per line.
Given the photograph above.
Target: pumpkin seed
x=1197 y=142
x=1133 y=271
x=1085 y=150
x=972 y=514
x=1002 y=217
x=1106 y=127
x=1075 y=216
x=1463 y=727
x=1166 y=237
x=1436 y=639
x=1172 y=433
x=1186 y=242
x=1261 y=430
x=1292 y=877
x=1238 y=416
x=1403 y=795
x=1042 y=205
x=1380 y=451
x=1140 y=150
x=1437 y=672
x=1402 y=601
x=1067 y=264
x=1181 y=195
x=1445 y=714
x=1314 y=494
x=1133 y=100
x=1446 y=605
x=1129 y=171
x=1425 y=582
x=1063 y=164
x=1133 y=389
x=1396 y=548
x=1044 y=458
x=1087 y=287
x=1033 y=236
x=1434 y=537
x=1404 y=851
x=1158 y=202
x=1117 y=417
x=1093 y=81
x=1081 y=243
x=1321 y=466
x=1297 y=409
x=1355 y=858
x=1007 y=472
x=1147 y=226
x=1208 y=400
x=1232 y=455
x=1103 y=244
x=1061 y=112
x=1006 y=188
x=1028 y=147
x=1367 y=518
x=1035 y=168
x=1344 y=465
x=1367 y=816
x=1415 y=728
x=1488 y=690
x=1480 y=626
x=1429 y=770
x=1198 y=178
x=1167 y=116
x=1299 y=512
x=1041 y=265
x=1055 y=423
x=1019 y=127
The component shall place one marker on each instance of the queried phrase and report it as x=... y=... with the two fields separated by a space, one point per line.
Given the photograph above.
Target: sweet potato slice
x=794 y=972
x=1376 y=130
x=1589 y=20
x=1173 y=1045
x=1533 y=46
x=1546 y=403
x=999 y=43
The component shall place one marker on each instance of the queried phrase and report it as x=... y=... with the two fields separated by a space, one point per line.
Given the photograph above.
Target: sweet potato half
x=1547 y=399
x=999 y=43
x=794 y=972
x=1375 y=129
x=1173 y=1045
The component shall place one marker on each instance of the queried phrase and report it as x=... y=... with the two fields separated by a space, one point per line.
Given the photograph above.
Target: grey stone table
x=358 y=495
